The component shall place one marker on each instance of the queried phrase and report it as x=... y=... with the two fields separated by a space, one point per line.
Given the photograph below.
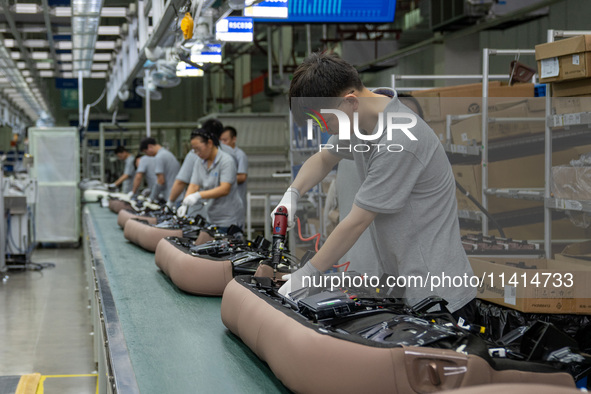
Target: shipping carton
x=568 y=59
x=580 y=87
x=571 y=105
x=578 y=253
x=533 y=285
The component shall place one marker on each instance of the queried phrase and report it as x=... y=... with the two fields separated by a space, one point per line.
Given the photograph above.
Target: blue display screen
x=338 y=11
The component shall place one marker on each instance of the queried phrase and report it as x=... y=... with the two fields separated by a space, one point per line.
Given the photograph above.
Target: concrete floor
x=45 y=324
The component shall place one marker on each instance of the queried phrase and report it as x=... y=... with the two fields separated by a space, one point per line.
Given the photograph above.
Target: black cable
x=479 y=206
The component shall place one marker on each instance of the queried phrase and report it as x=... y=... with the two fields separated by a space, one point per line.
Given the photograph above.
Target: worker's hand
x=170 y=205
x=295 y=281
x=182 y=211
x=289 y=201
x=192 y=199
x=112 y=186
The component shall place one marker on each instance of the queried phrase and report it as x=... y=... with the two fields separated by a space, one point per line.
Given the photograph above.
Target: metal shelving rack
x=553 y=122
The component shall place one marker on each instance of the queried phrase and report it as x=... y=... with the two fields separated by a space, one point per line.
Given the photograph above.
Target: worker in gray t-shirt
x=407 y=196
x=213 y=180
x=166 y=167
x=228 y=137
x=145 y=169
x=126 y=179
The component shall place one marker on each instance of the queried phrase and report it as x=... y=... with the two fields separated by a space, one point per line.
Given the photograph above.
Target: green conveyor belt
x=176 y=342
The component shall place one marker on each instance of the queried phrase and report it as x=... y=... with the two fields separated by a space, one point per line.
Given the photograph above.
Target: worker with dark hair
x=407 y=196
x=144 y=165
x=228 y=137
x=213 y=179
x=166 y=167
x=126 y=179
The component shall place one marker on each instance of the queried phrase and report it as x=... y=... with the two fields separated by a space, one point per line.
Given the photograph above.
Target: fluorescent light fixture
x=40 y=55
x=105 y=45
x=9 y=91
x=26 y=8
x=62 y=12
x=9 y=43
x=109 y=30
x=26 y=73
x=100 y=67
x=102 y=57
x=36 y=43
x=45 y=74
x=21 y=65
x=234 y=29
x=186 y=70
x=15 y=55
x=68 y=75
x=29 y=79
x=66 y=66
x=65 y=57
x=100 y=75
x=114 y=12
x=63 y=45
x=44 y=65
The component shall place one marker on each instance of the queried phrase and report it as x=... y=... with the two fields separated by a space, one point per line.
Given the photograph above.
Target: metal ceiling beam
x=459 y=34
x=45 y=6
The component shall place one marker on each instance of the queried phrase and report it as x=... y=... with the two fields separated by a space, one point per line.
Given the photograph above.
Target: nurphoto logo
x=392 y=125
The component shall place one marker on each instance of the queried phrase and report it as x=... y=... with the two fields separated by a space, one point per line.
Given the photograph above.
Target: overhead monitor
x=234 y=29
x=337 y=11
x=211 y=53
x=266 y=9
x=186 y=70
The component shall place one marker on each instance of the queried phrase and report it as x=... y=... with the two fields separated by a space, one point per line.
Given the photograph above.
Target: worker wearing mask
x=214 y=180
x=166 y=167
x=407 y=197
x=228 y=137
x=126 y=179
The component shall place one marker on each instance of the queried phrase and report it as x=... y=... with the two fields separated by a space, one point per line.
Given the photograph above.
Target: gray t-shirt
x=242 y=168
x=129 y=170
x=186 y=170
x=167 y=165
x=227 y=210
x=147 y=166
x=416 y=231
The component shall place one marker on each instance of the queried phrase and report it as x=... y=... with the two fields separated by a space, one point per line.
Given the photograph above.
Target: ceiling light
x=114 y=12
x=45 y=74
x=26 y=73
x=109 y=30
x=63 y=45
x=40 y=55
x=9 y=43
x=101 y=75
x=26 y=8
x=29 y=79
x=105 y=45
x=66 y=66
x=44 y=65
x=62 y=12
x=102 y=57
x=36 y=43
x=15 y=55
x=100 y=67
x=21 y=65
x=65 y=57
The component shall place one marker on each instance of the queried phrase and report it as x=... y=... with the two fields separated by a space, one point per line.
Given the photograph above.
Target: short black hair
x=407 y=98
x=147 y=141
x=214 y=126
x=321 y=74
x=232 y=131
x=205 y=135
x=120 y=149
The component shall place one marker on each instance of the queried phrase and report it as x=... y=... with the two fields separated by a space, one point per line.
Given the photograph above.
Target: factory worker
x=166 y=167
x=213 y=182
x=126 y=179
x=228 y=137
x=184 y=175
x=145 y=166
x=407 y=197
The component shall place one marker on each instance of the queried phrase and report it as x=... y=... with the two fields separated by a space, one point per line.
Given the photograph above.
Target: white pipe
x=147 y=81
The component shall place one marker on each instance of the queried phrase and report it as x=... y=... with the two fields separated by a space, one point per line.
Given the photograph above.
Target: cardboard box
x=570 y=105
x=562 y=60
x=580 y=87
x=578 y=253
x=465 y=99
x=573 y=183
x=522 y=284
x=468 y=130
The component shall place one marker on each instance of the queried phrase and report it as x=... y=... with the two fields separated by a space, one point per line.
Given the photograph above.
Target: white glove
x=289 y=201
x=182 y=211
x=192 y=199
x=112 y=186
x=295 y=281
x=170 y=204
x=130 y=195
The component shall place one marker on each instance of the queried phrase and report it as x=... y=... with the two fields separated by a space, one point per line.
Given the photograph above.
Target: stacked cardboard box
x=504 y=101
x=566 y=64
